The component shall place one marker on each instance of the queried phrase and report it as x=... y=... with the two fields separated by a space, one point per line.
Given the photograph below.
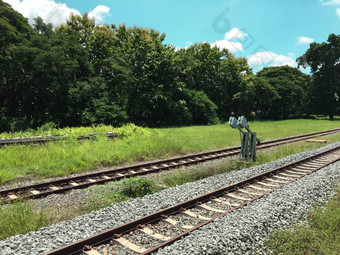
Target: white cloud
x=330 y=2
x=229 y=41
x=338 y=12
x=267 y=58
x=231 y=46
x=235 y=34
x=304 y=40
x=51 y=11
x=99 y=13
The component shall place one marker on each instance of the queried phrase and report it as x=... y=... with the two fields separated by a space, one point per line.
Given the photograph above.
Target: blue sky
x=268 y=32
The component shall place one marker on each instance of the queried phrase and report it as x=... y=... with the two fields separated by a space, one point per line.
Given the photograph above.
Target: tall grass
x=20 y=218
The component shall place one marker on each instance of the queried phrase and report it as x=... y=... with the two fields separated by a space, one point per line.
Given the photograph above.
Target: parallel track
x=147 y=234
x=45 y=139
x=102 y=177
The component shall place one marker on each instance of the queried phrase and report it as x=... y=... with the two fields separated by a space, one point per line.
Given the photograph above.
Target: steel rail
x=101 y=177
x=107 y=235
x=44 y=139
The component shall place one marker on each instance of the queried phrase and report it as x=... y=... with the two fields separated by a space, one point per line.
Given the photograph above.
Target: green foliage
x=138 y=187
x=287 y=87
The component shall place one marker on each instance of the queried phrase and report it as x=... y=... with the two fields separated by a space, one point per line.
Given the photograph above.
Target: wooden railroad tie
x=316 y=141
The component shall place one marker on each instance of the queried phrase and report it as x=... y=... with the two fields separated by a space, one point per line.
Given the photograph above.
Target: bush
x=138 y=187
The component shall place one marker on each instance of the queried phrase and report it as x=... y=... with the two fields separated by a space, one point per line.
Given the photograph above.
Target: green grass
x=321 y=235
x=61 y=158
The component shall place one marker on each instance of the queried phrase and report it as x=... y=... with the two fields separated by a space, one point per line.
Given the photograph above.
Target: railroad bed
x=240 y=231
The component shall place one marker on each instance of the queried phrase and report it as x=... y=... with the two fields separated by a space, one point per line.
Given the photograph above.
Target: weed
x=321 y=235
x=138 y=187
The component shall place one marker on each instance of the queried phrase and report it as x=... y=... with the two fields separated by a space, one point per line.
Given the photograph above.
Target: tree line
x=81 y=73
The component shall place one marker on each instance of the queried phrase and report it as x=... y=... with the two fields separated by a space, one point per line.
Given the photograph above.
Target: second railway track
x=102 y=177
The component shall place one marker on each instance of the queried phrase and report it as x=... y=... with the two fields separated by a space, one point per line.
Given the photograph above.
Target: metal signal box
x=233 y=122
x=242 y=122
x=248 y=137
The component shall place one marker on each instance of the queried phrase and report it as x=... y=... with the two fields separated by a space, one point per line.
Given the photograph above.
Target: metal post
x=253 y=141
x=244 y=145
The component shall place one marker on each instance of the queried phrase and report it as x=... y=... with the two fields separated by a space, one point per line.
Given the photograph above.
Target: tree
x=261 y=96
x=324 y=61
x=14 y=29
x=216 y=73
x=291 y=86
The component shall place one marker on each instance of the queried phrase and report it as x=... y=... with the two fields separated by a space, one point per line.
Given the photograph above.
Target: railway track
x=154 y=231
x=82 y=181
x=45 y=139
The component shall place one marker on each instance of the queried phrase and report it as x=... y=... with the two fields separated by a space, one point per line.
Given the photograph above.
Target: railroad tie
x=126 y=243
x=277 y=181
x=35 y=192
x=194 y=215
x=283 y=178
x=237 y=197
x=53 y=187
x=290 y=175
x=226 y=202
x=295 y=172
x=249 y=193
x=259 y=188
x=316 y=164
x=174 y=222
x=301 y=170
x=12 y=196
x=206 y=207
x=74 y=184
x=106 y=177
x=305 y=167
x=91 y=252
x=151 y=233
x=267 y=184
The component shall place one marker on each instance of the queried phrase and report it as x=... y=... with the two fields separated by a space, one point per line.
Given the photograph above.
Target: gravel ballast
x=240 y=232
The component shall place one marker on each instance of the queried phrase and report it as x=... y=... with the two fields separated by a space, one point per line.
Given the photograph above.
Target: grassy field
x=32 y=162
x=321 y=235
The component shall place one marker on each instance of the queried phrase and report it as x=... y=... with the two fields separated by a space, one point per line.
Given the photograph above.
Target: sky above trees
x=268 y=33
